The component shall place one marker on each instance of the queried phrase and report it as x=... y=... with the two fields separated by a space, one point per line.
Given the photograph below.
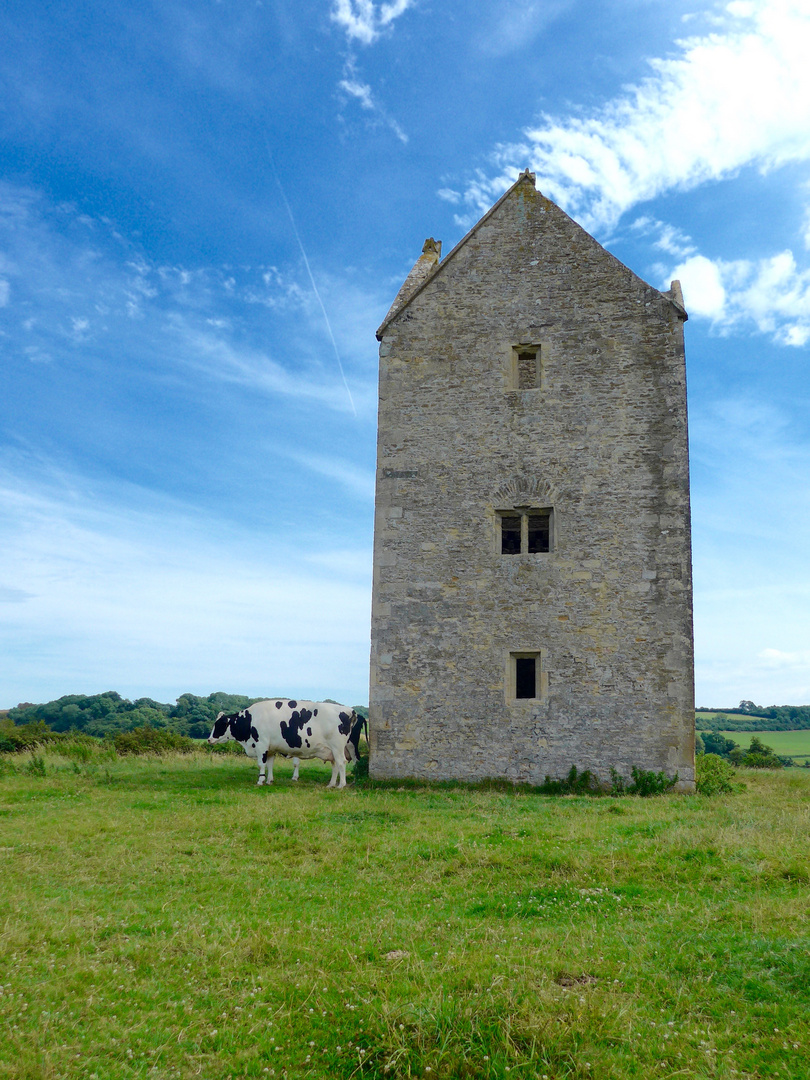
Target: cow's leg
x=295 y=768
x=341 y=767
x=334 y=774
x=338 y=759
x=266 y=764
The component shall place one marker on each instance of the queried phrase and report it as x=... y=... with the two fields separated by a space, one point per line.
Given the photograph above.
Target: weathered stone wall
x=603 y=441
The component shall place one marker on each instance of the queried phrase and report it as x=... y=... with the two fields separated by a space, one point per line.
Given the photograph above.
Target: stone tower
x=532 y=605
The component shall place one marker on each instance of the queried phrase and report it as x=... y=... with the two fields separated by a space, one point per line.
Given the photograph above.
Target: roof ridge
x=394 y=310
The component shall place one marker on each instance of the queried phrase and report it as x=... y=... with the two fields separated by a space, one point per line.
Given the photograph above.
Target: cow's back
x=304 y=729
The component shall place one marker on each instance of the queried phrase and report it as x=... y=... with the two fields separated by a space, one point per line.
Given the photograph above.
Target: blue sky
x=205 y=211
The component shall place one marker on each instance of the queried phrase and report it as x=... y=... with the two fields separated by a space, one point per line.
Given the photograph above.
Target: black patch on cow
x=315 y=713
x=278 y=704
x=254 y=733
x=264 y=757
x=241 y=726
x=220 y=726
x=307 y=740
x=291 y=731
x=292 y=704
x=354 y=738
x=309 y=730
x=345 y=725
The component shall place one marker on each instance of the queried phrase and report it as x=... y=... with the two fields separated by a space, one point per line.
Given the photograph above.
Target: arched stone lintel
x=524 y=491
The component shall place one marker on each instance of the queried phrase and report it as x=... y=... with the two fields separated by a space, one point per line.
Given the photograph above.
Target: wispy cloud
x=353 y=87
x=514 y=24
x=223 y=360
x=150 y=584
x=76 y=294
x=365 y=21
x=737 y=96
x=360 y=482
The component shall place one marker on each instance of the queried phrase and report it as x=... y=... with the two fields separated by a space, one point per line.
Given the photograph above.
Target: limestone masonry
x=532 y=605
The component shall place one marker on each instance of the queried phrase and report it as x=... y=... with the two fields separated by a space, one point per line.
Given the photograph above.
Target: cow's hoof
x=260 y=781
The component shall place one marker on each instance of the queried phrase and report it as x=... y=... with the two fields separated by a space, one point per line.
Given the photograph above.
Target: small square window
x=526 y=370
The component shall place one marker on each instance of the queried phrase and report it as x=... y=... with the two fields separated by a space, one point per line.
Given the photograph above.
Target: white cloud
x=358 y=90
x=735 y=97
x=779 y=659
x=365 y=21
x=772 y=294
x=702 y=282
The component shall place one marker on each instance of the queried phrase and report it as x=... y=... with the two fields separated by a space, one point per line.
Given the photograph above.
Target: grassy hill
x=167 y=918
x=795 y=744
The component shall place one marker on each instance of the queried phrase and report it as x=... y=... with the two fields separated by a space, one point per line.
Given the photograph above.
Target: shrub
x=149 y=740
x=757 y=756
x=715 y=776
x=25 y=736
x=650 y=783
x=360 y=770
x=644 y=783
x=576 y=783
x=715 y=743
x=35 y=766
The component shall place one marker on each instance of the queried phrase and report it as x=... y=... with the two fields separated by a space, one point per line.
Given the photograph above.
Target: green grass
x=167 y=918
x=795 y=744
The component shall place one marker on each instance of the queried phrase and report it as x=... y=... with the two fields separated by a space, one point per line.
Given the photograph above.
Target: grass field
x=795 y=744
x=167 y=918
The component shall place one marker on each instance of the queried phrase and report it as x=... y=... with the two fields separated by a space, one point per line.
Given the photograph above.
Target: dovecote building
x=532 y=598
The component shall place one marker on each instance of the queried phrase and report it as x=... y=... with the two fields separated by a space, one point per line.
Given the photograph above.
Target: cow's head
x=237 y=726
x=221 y=731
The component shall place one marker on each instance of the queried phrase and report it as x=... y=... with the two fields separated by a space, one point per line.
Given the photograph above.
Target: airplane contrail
x=311 y=278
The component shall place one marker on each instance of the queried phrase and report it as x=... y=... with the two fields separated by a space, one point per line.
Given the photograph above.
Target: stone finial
x=675 y=294
x=423 y=268
x=526 y=175
x=432 y=247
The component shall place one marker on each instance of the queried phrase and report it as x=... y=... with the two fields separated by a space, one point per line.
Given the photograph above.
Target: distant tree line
x=757 y=756
x=109 y=714
x=756 y=718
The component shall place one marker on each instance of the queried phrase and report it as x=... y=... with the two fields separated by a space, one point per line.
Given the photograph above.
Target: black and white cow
x=296 y=729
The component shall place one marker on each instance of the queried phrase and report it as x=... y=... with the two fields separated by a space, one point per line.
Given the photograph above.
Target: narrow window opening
x=527 y=369
x=510 y=535
x=539 y=532
x=525 y=677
